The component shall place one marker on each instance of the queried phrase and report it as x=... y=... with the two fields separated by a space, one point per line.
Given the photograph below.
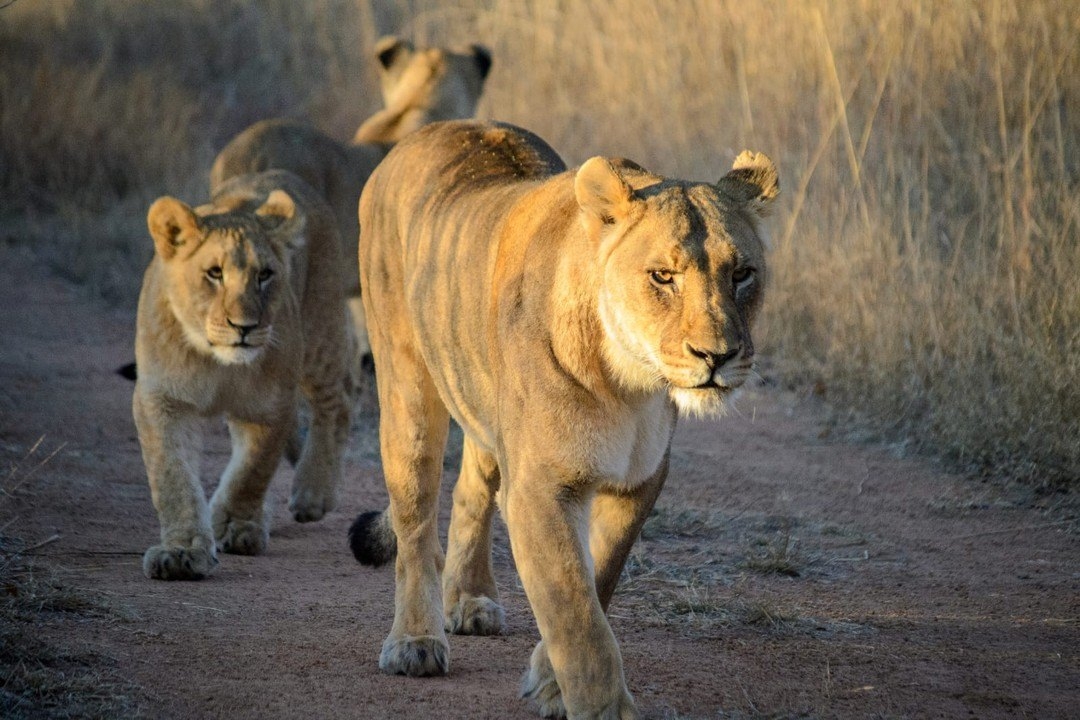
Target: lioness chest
x=623 y=451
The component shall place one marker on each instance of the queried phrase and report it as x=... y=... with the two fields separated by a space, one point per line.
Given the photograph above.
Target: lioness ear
x=602 y=194
x=389 y=48
x=752 y=182
x=483 y=60
x=280 y=215
x=172 y=223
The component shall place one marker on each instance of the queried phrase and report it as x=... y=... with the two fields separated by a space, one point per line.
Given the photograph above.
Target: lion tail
x=372 y=538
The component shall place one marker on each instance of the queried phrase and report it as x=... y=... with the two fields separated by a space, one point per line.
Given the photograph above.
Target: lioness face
x=226 y=272
x=683 y=277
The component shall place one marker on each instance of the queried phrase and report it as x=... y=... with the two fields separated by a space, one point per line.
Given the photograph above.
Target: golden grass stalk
x=926 y=261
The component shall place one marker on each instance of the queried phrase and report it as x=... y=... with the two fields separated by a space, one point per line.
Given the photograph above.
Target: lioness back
x=564 y=318
x=441 y=169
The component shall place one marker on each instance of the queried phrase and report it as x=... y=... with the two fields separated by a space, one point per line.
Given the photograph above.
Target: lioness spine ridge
x=372 y=540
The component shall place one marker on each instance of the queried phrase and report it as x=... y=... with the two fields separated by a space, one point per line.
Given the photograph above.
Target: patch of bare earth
x=782 y=574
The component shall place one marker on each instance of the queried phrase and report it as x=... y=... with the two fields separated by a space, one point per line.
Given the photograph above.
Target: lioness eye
x=661 y=277
x=265 y=274
x=214 y=273
x=741 y=275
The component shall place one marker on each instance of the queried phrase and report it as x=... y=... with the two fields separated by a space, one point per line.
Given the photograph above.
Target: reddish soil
x=785 y=573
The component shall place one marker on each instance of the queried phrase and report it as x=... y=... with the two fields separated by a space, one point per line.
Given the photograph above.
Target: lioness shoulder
x=241 y=310
x=564 y=318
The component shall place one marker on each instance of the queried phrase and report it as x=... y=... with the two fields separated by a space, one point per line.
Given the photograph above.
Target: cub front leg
x=170 y=434
x=470 y=597
x=238 y=507
x=578 y=653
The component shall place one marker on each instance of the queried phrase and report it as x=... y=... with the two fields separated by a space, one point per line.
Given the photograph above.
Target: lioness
x=241 y=309
x=419 y=86
x=563 y=319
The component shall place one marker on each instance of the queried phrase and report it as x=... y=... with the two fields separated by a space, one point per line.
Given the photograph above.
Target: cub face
x=683 y=275
x=226 y=271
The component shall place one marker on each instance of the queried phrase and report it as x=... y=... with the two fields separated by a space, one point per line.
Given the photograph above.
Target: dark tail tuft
x=127 y=371
x=372 y=539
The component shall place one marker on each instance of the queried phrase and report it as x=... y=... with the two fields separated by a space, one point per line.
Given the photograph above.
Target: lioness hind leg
x=238 y=507
x=470 y=597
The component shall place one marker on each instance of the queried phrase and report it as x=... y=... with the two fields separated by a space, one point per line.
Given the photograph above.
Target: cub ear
x=752 y=182
x=172 y=224
x=389 y=48
x=604 y=196
x=282 y=218
x=483 y=60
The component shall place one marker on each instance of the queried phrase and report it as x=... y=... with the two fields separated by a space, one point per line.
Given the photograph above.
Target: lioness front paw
x=540 y=686
x=477 y=615
x=415 y=656
x=309 y=504
x=176 y=562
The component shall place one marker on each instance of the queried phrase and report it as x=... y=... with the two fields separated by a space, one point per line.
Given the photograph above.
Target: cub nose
x=713 y=359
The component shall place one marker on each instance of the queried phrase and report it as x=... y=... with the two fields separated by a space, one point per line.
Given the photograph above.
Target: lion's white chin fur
x=700 y=402
x=236 y=354
x=224 y=354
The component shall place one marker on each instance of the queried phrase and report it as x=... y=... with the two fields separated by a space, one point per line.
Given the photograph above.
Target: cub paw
x=477 y=615
x=540 y=686
x=415 y=656
x=241 y=537
x=176 y=562
x=309 y=504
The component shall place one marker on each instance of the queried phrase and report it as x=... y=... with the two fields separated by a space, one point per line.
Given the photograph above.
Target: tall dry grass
x=926 y=261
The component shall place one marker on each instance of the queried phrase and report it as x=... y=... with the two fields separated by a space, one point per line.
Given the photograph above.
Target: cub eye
x=662 y=277
x=214 y=273
x=742 y=275
x=265 y=274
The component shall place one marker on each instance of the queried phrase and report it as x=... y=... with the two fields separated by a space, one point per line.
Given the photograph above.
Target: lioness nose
x=242 y=328
x=712 y=359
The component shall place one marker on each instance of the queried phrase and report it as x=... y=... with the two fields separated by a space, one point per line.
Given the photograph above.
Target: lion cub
x=241 y=310
x=419 y=86
x=563 y=319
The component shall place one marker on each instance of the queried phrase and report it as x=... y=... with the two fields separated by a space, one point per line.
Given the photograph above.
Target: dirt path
x=782 y=575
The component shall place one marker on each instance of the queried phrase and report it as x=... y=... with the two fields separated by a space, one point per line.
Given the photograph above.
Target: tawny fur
x=419 y=86
x=563 y=319
x=241 y=312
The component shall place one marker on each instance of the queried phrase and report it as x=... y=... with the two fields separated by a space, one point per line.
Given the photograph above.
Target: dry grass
x=775 y=556
x=926 y=262
x=42 y=673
